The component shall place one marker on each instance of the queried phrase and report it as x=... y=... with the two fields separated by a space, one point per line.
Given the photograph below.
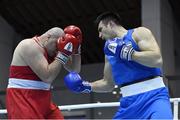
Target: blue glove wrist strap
x=87 y=87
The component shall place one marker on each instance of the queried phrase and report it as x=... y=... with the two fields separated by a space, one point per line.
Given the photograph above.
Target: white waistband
x=27 y=84
x=142 y=87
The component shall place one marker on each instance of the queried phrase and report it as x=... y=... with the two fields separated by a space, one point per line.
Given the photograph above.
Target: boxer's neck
x=121 y=32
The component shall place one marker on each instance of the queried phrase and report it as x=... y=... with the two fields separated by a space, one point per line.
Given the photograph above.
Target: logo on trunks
x=69 y=47
x=112 y=47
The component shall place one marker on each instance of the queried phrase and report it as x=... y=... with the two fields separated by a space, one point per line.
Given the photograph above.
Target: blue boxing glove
x=74 y=82
x=118 y=48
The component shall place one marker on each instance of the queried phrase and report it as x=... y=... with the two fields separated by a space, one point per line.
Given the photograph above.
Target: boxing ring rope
x=175 y=102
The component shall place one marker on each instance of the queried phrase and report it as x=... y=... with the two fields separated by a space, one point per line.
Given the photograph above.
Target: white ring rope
x=175 y=102
x=90 y=105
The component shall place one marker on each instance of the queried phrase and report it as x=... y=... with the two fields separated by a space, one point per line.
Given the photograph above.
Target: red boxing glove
x=66 y=46
x=74 y=30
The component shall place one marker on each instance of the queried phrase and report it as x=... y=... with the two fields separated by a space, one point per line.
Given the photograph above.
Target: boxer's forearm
x=74 y=64
x=102 y=86
x=51 y=72
x=148 y=58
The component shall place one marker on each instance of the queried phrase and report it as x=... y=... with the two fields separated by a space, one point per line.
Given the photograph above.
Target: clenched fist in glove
x=66 y=46
x=75 y=31
x=118 y=48
x=75 y=83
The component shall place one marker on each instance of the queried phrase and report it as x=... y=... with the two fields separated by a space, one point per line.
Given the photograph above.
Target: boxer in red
x=36 y=63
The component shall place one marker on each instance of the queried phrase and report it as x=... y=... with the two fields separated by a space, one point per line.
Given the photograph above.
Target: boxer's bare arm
x=150 y=54
x=33 y=56
x=106 y=84
x=74 y=63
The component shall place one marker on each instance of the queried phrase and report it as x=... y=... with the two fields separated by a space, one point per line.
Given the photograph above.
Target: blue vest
x=130 y=71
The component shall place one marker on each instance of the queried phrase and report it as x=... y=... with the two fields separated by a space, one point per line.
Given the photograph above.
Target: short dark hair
x=105 y=17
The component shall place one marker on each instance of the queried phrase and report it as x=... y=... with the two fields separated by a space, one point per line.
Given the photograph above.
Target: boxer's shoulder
x=141 y=33
x=28 y=47
x=28 y=44
x=28 y=41
x=19 y=52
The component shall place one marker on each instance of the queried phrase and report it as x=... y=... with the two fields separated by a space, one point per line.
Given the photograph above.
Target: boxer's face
x=105 y=31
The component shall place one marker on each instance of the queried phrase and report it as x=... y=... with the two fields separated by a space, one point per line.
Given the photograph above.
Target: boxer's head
x=51 y=37
x=106 y=24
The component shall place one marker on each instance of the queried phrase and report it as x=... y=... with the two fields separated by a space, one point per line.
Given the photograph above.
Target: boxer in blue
x=133 y=61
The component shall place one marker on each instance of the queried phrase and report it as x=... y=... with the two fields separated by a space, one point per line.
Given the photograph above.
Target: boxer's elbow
x=158 y=62
x=109 y=86
x=154 y=61
x=47 y=79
